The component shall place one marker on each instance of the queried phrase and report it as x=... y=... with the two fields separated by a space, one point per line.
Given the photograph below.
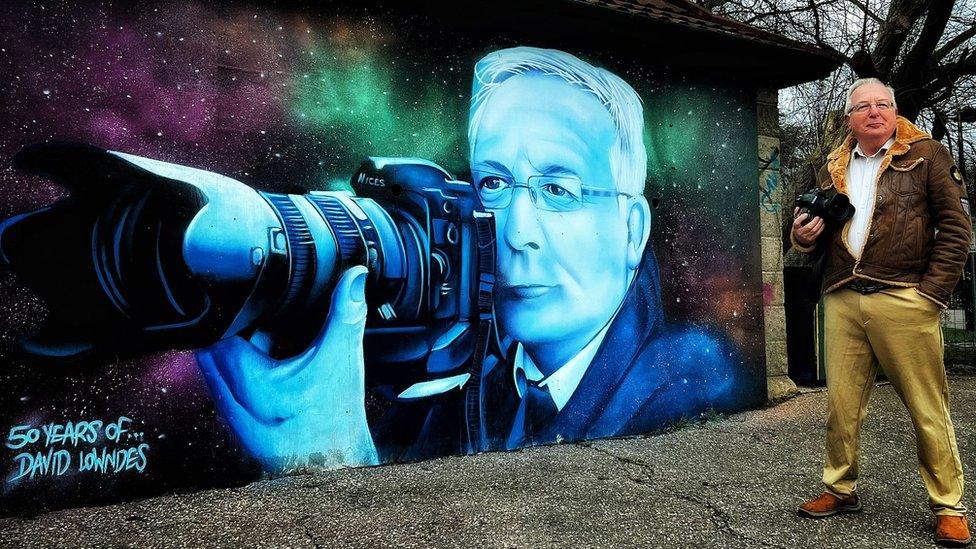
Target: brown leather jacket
x=920 y=231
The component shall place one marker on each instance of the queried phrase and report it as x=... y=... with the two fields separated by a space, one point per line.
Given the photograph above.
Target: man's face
x=562 y=274
x=872 y=124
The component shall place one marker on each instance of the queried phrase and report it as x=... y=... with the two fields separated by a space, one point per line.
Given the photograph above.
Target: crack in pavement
x=720 y=518
x=759 y=439
x=623 y=459
x=310 y=535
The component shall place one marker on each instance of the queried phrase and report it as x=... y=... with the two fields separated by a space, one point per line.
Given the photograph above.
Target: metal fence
x=959 y=322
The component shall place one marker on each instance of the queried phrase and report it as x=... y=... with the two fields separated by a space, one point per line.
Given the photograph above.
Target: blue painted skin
x=307 y=408
x=563 y=276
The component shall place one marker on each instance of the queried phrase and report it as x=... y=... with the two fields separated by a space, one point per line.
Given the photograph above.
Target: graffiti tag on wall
x=769 y=181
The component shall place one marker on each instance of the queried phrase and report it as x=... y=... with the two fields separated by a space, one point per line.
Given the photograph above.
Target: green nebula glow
x=701 y=151
x=696 y=125
x=361 y=103
x=673 y=135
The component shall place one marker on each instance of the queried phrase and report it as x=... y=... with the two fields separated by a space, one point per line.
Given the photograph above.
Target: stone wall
x=778 y=384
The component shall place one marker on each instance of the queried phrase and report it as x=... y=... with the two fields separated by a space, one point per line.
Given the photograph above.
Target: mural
x=205 y=281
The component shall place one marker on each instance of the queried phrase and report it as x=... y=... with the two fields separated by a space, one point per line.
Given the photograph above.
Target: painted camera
x=145 y=255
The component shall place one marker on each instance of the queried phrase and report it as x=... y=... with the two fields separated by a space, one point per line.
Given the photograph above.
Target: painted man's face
x=562 y=251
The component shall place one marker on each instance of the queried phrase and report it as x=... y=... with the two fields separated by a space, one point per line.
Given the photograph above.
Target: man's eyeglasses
x=863 y=107
x=551 y=193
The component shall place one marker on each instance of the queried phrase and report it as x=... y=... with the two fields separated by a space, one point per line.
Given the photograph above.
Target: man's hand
x=305 y=410
x=806 y=233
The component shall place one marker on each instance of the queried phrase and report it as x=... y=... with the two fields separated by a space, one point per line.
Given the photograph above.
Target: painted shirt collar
x=563 y=382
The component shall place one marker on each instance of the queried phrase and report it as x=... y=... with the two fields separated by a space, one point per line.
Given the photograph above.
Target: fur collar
x=906 y=133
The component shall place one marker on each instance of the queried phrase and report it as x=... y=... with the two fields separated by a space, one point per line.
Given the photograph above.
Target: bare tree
x=925 y=49
x=922 y=48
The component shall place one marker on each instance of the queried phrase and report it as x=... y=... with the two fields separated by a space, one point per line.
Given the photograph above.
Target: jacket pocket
x=907 y=177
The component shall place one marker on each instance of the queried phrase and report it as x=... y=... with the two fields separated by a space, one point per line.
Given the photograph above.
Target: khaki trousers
x=899 y=330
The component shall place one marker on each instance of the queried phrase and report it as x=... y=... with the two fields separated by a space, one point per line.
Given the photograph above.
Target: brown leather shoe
x=952 y=531
x=827 y=504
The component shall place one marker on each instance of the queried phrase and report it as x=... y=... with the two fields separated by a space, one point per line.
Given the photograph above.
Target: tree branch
x=966 y=115
x=955 y=42
x=909 y=73
x=894 y=31
x=818 y=37
x=775 y=12
x=877 y=18
x=938 y=124
x=710 y=5
x=946 y=74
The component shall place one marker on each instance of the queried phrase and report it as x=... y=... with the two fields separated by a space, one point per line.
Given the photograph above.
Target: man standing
x=888 y=272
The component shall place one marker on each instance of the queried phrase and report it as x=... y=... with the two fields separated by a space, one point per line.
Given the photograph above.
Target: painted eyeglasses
x=551 y=193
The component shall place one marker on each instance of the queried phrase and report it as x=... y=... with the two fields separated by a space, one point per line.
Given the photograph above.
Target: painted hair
x=862 y=81
x=628 y=157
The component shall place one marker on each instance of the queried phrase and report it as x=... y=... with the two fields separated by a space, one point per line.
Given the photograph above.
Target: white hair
x=628 y=157
x=862 y=81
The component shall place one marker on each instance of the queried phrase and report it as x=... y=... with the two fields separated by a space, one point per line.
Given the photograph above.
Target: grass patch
x=960 y=351
x=957 y=336
x=708 y=416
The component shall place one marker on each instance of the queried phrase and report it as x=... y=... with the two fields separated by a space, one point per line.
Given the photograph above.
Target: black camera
x=831 y=206
x=145 y=255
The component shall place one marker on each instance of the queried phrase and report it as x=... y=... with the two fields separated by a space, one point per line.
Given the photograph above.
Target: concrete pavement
x=730 y=482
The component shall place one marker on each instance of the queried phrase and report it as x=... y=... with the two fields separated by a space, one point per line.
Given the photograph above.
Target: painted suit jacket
x=645 y=374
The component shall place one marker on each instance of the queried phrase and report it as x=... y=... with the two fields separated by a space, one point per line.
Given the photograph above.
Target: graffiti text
x=49 y=450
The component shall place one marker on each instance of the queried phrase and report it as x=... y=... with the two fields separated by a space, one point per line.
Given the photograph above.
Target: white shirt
x=862 y=175
x=563 y=382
